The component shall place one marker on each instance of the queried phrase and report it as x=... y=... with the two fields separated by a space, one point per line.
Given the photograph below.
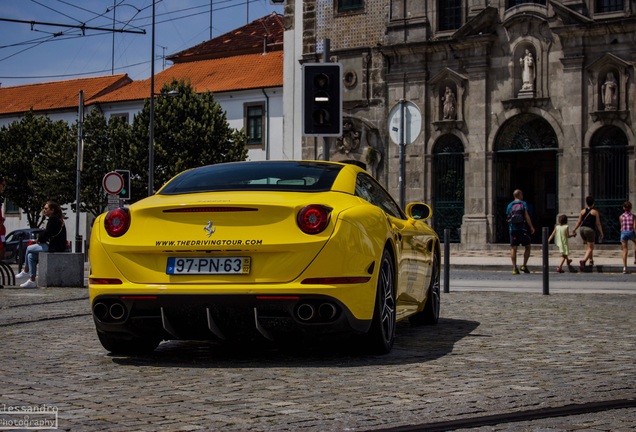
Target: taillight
x=117 y=222
x=313 y=219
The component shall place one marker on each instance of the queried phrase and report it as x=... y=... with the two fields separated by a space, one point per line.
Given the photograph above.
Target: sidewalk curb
x=601 y=268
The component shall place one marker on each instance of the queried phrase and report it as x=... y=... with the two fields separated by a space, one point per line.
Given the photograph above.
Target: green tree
x=105 y=150
x=38 y=160
x=191 y=130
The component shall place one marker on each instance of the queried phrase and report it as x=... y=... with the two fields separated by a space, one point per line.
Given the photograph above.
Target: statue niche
x=609 y=93
x=528 y=66
x=449 y=104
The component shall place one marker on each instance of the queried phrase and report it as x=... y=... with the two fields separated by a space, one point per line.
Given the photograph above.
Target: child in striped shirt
x=627 y=232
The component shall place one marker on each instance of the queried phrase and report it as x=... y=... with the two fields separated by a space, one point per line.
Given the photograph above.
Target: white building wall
x=292 y=82
x=272 y=98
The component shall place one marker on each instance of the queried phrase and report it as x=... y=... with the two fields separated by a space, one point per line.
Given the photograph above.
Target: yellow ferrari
x=273 y=249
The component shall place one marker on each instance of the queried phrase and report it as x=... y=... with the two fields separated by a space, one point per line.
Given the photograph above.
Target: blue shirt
x=525 y=209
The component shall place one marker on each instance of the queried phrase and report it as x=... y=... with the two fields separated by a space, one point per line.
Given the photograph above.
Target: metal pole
x=446 y=260
x=80 y=133
x=402 y=168
x=112 y=60
x=546 y=264
x=326 y=58
x=151 y=123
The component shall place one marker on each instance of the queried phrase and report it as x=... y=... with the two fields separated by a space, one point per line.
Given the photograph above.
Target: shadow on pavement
x=413 y=344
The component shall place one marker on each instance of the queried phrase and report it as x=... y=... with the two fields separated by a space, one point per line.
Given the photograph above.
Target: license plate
x=208 y=265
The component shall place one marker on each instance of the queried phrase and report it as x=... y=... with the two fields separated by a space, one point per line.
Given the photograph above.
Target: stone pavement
x=508 y=361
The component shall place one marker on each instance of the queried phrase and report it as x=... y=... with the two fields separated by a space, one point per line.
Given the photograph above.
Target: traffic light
x=322 y=99
x=125 y=191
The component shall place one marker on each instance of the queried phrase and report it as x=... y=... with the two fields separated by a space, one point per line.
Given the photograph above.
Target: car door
x=411 y=256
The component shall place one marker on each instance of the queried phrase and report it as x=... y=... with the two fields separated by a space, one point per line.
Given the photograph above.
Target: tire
x=128 y=345
x=382 y=333
x=430 y=314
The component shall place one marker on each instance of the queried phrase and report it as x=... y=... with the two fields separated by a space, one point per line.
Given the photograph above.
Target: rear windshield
x=255 y=176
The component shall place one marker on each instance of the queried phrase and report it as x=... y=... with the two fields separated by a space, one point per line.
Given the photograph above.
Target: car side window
x=370 y=190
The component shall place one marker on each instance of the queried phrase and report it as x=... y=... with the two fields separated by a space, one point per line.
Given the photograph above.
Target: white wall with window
x=259 y=113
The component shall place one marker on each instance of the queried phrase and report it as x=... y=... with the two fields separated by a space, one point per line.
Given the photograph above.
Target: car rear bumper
x=223 y=317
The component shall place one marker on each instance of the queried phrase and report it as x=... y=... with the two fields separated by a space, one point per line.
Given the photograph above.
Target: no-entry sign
x=113 y=183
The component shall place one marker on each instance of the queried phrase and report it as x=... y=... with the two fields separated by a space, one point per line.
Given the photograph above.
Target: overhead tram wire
x=81 y=27
x=58 y=36
x=75 y=74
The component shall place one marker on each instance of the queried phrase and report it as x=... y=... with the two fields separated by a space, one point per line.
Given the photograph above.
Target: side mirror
x=419 y=211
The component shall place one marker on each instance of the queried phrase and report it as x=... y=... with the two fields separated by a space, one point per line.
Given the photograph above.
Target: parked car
x=27 y=236
x=271 y=249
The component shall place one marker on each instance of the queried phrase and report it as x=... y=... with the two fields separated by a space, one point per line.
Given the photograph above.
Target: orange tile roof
x=237 y=60
x=56 y=95
x=235 y=73
x=262 y=35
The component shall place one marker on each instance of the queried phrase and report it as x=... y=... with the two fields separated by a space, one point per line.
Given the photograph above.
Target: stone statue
x=610 y=93
x=350 y=139
x=528 y=71
x=449 y=104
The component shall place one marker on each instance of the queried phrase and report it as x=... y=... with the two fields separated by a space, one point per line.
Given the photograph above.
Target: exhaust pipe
x=117 y=311
x=305 y=312
x=326 y=311
x=100 y=310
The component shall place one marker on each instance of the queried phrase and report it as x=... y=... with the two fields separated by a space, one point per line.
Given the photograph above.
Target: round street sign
x=412 y=123
x=113 y=183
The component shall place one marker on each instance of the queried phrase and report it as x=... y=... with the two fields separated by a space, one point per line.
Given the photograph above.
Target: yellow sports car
x=274 y=249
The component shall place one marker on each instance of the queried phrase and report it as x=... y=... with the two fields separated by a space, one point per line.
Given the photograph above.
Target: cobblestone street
x=514 y=359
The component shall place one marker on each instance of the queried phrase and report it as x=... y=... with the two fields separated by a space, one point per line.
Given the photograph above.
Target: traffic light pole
x=326 y=57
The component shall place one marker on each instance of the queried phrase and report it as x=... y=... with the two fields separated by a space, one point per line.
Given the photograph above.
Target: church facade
x=487 y=96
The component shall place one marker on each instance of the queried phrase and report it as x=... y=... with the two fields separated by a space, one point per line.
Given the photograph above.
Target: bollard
x=78 y=243
x=446 y=260
x=546 y=263
x=19 y=250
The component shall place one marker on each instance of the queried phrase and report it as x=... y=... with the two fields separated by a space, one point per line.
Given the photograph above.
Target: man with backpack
x=519 y=223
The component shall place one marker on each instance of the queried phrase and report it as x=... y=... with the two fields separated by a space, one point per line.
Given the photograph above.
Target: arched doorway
x=448 y=186
x=526 y=158
x=609 y=178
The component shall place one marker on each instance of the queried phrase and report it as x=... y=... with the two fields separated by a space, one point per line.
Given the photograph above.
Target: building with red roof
x=242 y=68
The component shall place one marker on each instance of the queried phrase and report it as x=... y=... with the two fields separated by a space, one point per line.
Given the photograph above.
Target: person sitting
x=52 y=239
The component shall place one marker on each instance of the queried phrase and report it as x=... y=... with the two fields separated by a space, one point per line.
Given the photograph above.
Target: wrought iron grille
x=450 y=14
x=526 y=132
x=609 y=6
x=448 y=181
x=609 y=178
x=512 y=3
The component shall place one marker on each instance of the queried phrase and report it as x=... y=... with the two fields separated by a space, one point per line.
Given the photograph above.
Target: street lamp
x=151 y=123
